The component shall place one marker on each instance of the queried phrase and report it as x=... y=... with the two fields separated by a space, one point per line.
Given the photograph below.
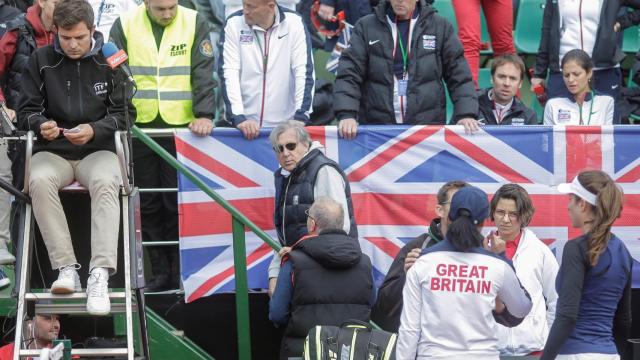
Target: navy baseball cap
x=473 y=200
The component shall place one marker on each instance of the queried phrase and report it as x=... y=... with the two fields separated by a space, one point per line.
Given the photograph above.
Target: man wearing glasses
x=325 y=279
x=305 y=174
x=388 y=308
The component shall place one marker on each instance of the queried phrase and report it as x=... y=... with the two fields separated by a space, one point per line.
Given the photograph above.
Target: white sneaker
x=6 y=257
x=98 y=302
x=68 y=280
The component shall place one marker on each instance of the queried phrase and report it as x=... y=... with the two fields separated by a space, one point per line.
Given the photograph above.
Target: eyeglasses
x=444 y=203
x=501 y=213
x=280 y=148
x=306 y=212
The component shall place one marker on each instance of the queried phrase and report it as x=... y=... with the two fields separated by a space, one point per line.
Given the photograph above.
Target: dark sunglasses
x=289 y=146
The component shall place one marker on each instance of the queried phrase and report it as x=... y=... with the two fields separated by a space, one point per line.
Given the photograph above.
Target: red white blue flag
x=394 y=172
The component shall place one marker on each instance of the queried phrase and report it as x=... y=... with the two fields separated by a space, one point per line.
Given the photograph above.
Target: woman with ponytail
x=593 y=313
x=457 y=292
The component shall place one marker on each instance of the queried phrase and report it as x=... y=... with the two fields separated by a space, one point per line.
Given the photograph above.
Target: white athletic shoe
x=6 y=257
x=68 y=280
x=98 y=302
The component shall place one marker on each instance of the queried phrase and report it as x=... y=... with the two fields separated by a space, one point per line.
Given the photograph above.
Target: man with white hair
x=305 y=174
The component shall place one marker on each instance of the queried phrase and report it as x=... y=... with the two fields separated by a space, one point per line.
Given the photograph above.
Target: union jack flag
x=395 y=173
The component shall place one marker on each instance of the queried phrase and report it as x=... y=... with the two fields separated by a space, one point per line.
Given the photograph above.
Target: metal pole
x=201 y=184
x=242 y=290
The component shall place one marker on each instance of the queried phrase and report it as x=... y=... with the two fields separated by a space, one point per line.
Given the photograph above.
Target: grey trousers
x=100 y=174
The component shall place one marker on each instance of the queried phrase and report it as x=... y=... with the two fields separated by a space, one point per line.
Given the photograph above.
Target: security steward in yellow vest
x=171 y=59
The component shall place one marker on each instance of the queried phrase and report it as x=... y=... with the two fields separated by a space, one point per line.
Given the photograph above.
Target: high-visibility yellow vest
x=163 y=76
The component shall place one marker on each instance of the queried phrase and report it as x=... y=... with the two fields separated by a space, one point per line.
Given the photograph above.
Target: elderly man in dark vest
x=305 y=174
x=325 y=279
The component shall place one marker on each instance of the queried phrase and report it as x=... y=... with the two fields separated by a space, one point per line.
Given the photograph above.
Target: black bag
x=353 y=339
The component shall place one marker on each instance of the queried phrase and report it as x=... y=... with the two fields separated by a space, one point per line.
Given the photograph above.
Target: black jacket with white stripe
x=73 y=92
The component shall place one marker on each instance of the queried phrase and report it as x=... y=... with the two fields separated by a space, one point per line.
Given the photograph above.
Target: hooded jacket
x=24 y=35
x=332 y=283
x=388 y=308
x=364 y=87
x=73 y=92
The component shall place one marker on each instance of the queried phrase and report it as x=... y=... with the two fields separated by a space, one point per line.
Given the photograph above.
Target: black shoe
x=158 y=283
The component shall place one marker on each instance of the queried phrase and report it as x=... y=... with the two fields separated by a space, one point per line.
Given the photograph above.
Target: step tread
x=81 y=352
x=75 y=296
x=78 y=308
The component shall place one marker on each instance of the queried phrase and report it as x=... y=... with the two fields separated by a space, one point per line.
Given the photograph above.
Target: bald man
x=325 y=273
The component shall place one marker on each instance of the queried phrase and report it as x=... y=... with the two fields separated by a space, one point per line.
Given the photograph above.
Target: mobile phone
x=72 y=130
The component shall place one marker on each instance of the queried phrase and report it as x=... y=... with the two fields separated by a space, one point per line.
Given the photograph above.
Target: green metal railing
x=239 y=222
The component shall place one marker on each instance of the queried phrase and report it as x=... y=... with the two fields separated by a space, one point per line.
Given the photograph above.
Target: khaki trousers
x=100 y=174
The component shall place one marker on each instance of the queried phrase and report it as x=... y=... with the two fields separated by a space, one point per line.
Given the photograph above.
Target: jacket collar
x=485 y=101
x=33 y=17
x=435 y=231
x=525 y=240
x=423 y=10
x=305 y=159
x=590 y=95
x=96 y=45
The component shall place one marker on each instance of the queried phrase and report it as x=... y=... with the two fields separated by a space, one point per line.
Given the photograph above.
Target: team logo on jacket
x=178 y=50
x=517 y=121
x=246 y=37
x=429 y=42
x=564 y=115
x=100 y=88
x=206 y=48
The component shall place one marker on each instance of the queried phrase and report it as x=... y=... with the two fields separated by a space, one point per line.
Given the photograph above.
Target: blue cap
x=472 y=199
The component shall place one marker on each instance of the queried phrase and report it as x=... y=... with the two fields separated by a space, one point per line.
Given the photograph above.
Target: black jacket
x=606 y=51
x=73 y=92
x=518 y=110
x=294 y=195
x=202 y=83
x=388 y=308
x=364 y=84
x=332 y=283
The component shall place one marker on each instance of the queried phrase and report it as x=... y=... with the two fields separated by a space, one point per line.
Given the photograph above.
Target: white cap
x=577 y=189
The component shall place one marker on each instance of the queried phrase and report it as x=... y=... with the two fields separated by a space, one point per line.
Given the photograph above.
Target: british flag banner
x=394 y=172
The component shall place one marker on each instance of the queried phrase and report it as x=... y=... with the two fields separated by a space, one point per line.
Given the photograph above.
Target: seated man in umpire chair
x=74 y=103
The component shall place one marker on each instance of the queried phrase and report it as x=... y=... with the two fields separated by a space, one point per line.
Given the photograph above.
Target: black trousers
x=158 y=210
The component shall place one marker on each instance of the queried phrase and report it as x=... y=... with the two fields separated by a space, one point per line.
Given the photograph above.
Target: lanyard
x=405 y=52
x=593 y=98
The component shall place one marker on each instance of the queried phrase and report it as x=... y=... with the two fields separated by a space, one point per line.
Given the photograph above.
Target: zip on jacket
x=606 y=51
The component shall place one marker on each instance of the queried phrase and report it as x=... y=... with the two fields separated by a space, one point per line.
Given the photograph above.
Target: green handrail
x=239 y=221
